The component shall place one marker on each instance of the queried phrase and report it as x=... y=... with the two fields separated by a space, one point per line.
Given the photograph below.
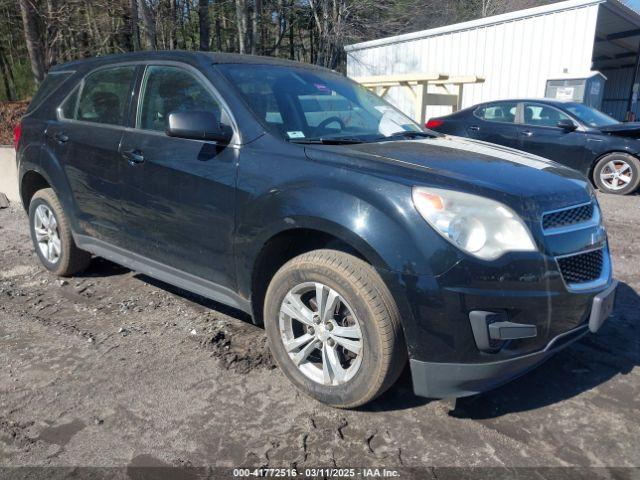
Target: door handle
x=474 y=128
x=133 y=156
x=526 y=133
x=59 y=137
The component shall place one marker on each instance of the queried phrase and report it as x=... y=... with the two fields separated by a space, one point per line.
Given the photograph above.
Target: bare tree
x=32 y=39
x=7 y=76
x=242 y=14
x=35 y=34
x=205 y=24
x=149 y=22
x=134 y=28
x=331 y=18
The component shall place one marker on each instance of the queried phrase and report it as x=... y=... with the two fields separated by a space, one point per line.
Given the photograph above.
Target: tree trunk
x=203 y=17
x=99 y=41
x=7 y=77
x=149 y=25
x=218 y=35
x=173 y=41
x=32 y=39
x=52 y=44
x=133 y=25
x=241 y=24
x=255 y=26
x=292 y=47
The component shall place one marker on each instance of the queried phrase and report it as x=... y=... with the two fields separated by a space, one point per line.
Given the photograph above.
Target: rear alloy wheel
x=617 y=173
x=52 y=237
x=334 y=328
x=45 y=227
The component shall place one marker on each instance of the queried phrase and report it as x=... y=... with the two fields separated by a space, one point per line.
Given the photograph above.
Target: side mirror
x=567 y=125
x=198 y=126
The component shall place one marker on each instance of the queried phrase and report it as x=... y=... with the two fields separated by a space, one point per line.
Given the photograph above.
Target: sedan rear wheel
x=617 y=173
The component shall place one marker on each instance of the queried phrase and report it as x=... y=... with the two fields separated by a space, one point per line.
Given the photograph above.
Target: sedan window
x=504 y=112
x=590 y=116
x=542 y=115
x=172 y=89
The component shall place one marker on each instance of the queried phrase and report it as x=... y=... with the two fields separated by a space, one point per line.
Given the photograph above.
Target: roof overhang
x=617 y=39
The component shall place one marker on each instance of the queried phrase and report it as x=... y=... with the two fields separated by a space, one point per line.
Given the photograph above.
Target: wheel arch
x=288 y=242
x=30 y=183
x=42 y=169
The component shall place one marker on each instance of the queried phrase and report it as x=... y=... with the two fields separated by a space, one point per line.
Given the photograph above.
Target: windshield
x=303 y=105
x=590 y=116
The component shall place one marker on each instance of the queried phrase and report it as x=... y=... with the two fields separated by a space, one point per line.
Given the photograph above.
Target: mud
x=111 y=368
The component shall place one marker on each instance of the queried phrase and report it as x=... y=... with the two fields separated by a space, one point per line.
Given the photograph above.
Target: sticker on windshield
x=322 y=88
x=295 y=134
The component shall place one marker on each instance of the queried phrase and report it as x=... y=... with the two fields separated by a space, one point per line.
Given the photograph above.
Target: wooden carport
x=446 y=90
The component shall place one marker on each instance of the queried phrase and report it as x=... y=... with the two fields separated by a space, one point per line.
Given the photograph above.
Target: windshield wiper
x=327 y=141
x=409 y=134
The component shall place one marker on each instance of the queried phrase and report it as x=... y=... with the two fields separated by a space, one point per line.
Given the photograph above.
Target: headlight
x=479 y=226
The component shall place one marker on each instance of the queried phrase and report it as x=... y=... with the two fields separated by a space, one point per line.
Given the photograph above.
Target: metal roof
x=619 y=14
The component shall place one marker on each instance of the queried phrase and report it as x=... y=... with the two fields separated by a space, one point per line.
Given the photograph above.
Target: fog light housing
x=491 y=330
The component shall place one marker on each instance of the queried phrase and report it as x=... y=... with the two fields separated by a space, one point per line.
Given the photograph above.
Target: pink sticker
x=322 y=88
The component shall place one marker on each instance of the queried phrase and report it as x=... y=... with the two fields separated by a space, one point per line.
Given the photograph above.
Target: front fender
x=380 y=223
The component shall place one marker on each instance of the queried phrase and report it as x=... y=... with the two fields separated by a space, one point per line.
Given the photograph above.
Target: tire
x=364 y=304
x=608 y=167
x=65 y=258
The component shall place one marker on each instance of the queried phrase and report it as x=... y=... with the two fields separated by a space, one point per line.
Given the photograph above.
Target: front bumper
x=454 y=380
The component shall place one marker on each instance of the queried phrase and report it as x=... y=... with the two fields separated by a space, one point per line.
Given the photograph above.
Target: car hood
x=530 y=183
x=631 y=129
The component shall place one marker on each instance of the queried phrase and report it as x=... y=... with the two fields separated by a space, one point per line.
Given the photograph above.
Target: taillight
x=17 y=133
x=434 y=123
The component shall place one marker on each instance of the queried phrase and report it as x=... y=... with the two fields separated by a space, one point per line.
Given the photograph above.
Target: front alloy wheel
x=321 y=333
x=334 y=328
x=617 y=173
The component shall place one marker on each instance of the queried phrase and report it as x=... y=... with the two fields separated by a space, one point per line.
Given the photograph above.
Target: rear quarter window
x=50 y=84
x=499 y=112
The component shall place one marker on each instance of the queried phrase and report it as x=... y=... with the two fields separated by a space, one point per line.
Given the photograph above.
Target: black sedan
x=583 y=138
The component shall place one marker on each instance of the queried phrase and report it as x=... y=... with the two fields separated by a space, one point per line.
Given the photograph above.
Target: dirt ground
x=112 y=368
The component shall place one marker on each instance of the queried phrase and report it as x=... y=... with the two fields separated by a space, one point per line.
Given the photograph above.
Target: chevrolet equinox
x=287 y=191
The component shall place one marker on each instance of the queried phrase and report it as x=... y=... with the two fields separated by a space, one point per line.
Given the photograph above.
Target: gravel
x=192 y=382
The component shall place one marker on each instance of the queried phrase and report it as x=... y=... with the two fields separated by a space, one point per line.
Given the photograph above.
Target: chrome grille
x=582 y=267
x=568 y=216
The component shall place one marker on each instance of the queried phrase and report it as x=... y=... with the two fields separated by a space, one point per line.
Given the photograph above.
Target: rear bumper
x=454 y=380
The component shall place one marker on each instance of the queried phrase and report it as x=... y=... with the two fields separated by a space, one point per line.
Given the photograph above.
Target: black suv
x=292 y=193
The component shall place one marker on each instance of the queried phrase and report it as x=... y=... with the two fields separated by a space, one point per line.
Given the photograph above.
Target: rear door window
x=504 y=112
x=104 y=97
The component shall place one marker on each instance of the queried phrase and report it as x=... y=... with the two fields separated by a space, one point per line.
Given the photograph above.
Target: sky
x=635 y=4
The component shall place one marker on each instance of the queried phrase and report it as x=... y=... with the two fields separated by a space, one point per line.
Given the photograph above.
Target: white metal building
x=517 y=53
